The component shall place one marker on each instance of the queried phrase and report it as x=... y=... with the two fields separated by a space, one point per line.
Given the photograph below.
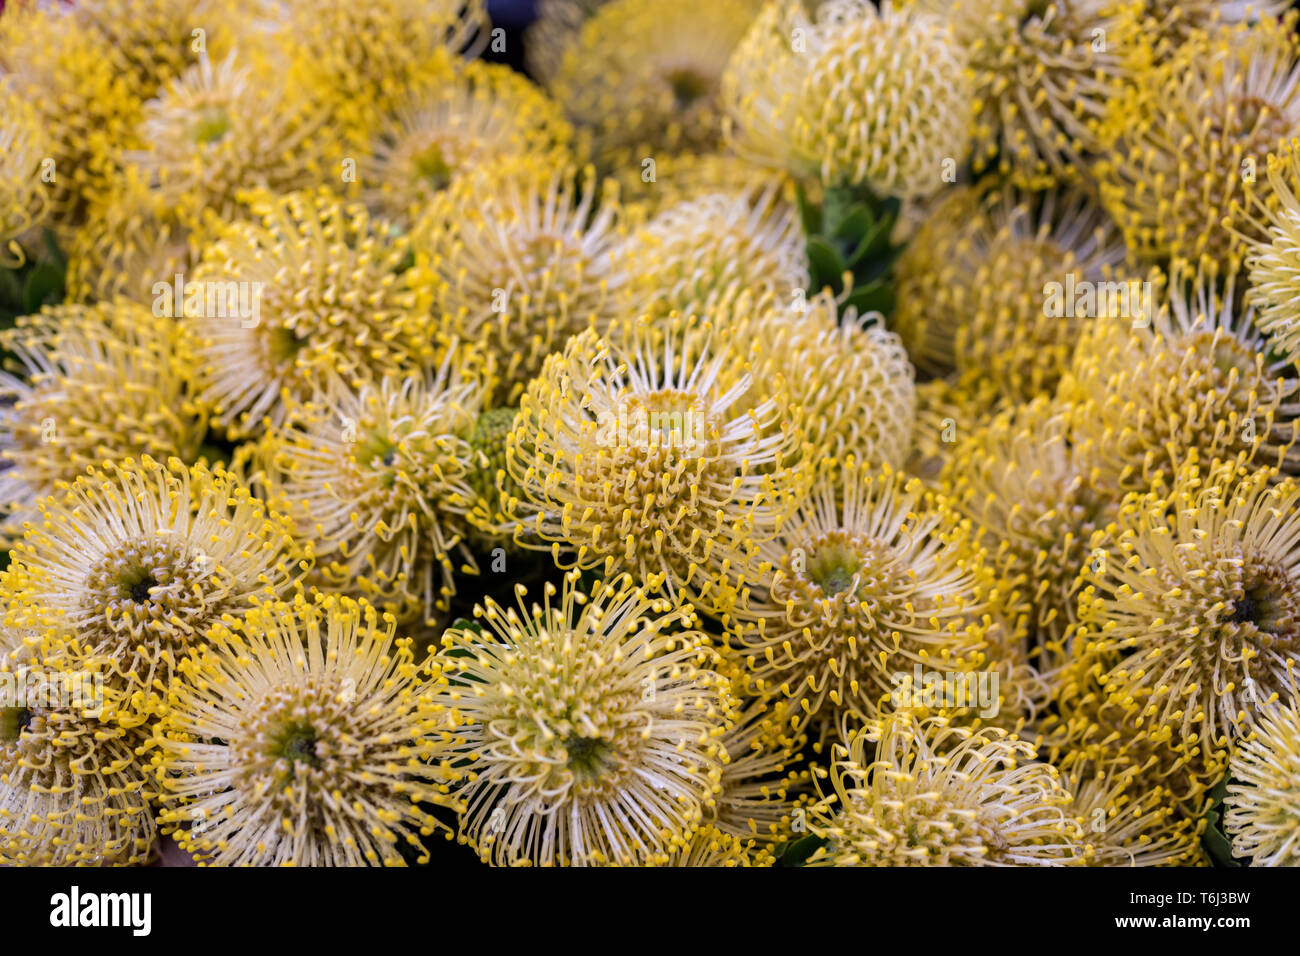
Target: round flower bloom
x=592 y=730
x=974 y=284
x=95 y=382
x=694 y=253
x=73 y=790
x=224 y=127
x=139 y=560
x=377 y=479
x=24 y=144
x=643 y=76
x=318 y=289
x=518 y=258
x=1175 y=20
x=925 y=793
x=451 y=123
x=757 y=800
x=803 y=95
x=871 y=576
x=1273 y=256
x=492 y=486
x=947 y=409
x=305 y=735
x=648 y=453
x=1263 y=800
x=1044 y=70
x=850 y=375
x=362 y=58
x=73 y=77
x=1184 y=137
x=1020 y=480
x=1192 y=615
x=1194 y=376
x=1124 y=822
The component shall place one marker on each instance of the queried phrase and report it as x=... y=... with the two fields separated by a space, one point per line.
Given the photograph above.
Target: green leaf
x=825 y=264
x=797 y=852
x=809 y=214
x=1214 y=840
x=875 y=296
x=52 y=249
x=44 y=286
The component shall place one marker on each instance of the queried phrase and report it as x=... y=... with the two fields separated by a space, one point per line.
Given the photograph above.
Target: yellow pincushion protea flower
x=517 y=258
x=138 y=561
x=377 y=479
x=556 y=26
x=488 y=442
x=223 y=127
x=647 y=453
x=909 y=792
x=1273 y=254
x=802 y=94
x=450 y=123
x=74 y=790
x=312 y=286
x=1043 y=71
x=24 y=145
x=362 y=58
x=694 y=254
x=1263 y=800
x=591 y=729
x=1192 y=620
x=974 y=284
x=1183 y=140
x=849 y=374
x=1175 y=20
x=1195 y=376
x=711 y=847
x=304 y=734
x=89 y=383
x=642 y=76
x=947 y=410
x=678 y=177
x=1020 y=480
x=872 y=576
x=759 y=793
x=1125 y=822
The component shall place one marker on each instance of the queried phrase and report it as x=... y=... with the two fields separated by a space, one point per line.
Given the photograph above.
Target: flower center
x=431 y=165
x=212 y=125
x=688 y=86
x=588 y=756
x=297 y=744
x=833 y=568
x=13 y=721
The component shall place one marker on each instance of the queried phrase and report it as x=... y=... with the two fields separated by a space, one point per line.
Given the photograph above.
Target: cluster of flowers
x=778 y=431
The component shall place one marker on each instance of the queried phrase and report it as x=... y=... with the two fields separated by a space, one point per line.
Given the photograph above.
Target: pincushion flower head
x=974 y=284
x=804 y=95
x=90 y=383
x=696 y=252
x=377 y=479
x=871 y=576
x=909 y=792
x=74 y=790
x=1263 y=799
x=647 y=453
x=850 y=375
x=312 y=285
x=305 y=734
x=642 y=76
x=1021 y=481
x=760 y=790
x=138 y=560
x=591 y=728
x=1185 y=137
x=1273 y=254
x=1192 y=620
x=516 y=258
x=24 y=144
x=1190 y=373
x=225 y=126
x=947 y=409
x=450 y=122
x=1043 y=71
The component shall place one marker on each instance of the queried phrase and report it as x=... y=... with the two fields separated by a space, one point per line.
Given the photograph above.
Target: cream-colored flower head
x=305 y=734
x=139 y=560
x=802 y=94
x=909 y=792
x=1184 y=141
x=1189 y=373
x=642 y=76
x=1262 y=803
x=1273 y=253
x=592 y=728
x=90 y=383
x=760 y=791
x=312 y=286
x=947 y=410
x=24 y=148
x=872 y=576
x=1190 y=620
x=516 y=258
x=376 y=478
x=649 y=453
x=996 y=281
